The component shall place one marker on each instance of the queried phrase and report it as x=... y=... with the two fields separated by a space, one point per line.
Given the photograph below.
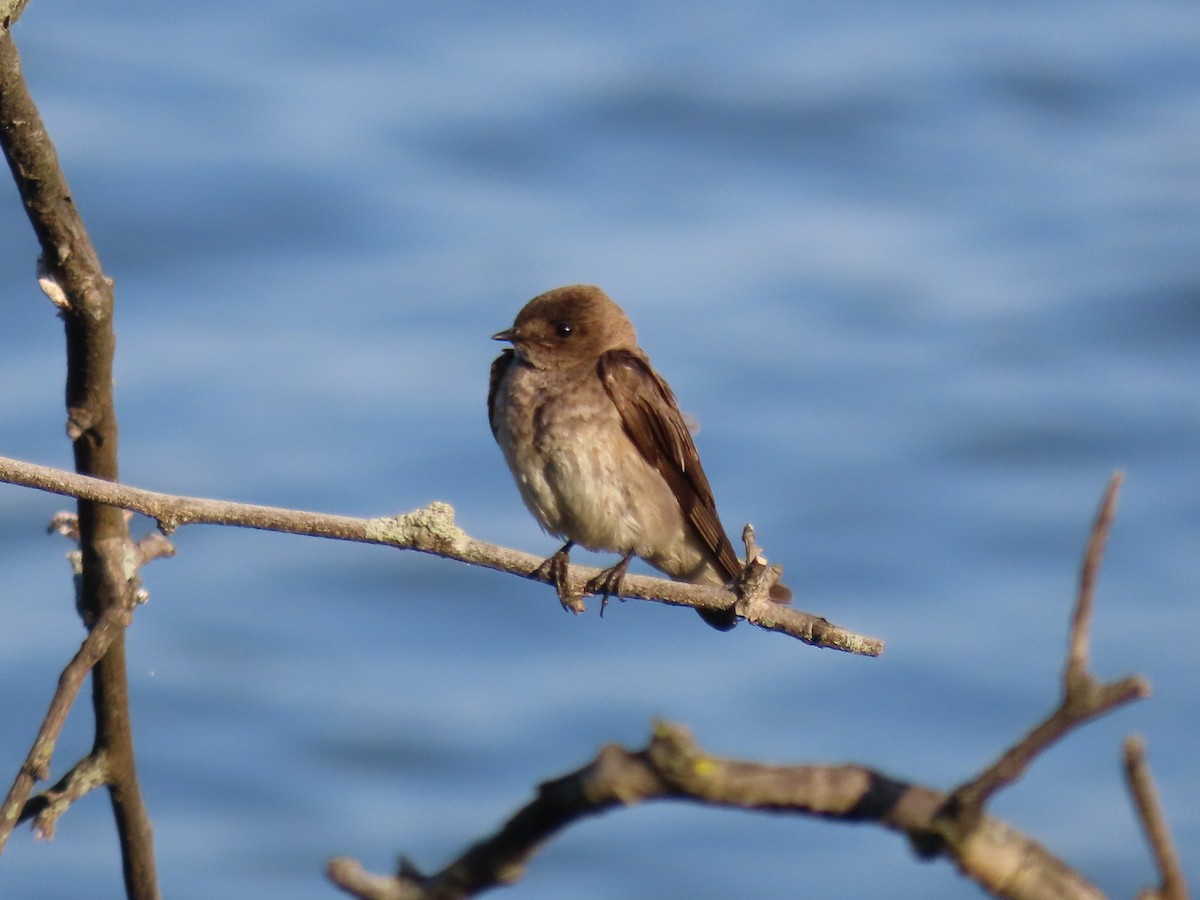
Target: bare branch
x=754 y=584
x=85 y=776
x=1084 y=697
x=1077 y=671
x=995 y=855
x=10 y=11
x=428 y=530
x=72 y=277
x=37 y=764
x=351 y=877
x=1141 y=783
x=674 y=767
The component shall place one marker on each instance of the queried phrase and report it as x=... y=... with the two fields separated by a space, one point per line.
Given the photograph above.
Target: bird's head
x=569 y=326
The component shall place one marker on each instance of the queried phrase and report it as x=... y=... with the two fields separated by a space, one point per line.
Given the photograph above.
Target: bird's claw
x=608 y=583
x=554 y=570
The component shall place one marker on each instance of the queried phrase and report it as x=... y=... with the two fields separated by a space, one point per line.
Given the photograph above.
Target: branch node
x=65 y=523
x=155 y=546
x=48 y=282
x=675 y=755
x=85 y=776
x=430 y=528
x=753 y=585
x=1084 y=698
x=406 y=868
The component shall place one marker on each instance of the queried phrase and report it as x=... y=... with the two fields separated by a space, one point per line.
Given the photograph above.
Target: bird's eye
x=564 y=330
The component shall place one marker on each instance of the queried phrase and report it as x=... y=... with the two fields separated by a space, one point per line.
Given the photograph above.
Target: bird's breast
x=576 y=469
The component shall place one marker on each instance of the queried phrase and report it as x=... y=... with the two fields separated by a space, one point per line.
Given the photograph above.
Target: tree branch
x=1173 y=885
x=36 y=766
x=71 y=276
x=85 y=776
x=674 y=767
x=995 y=855
x=1084 y=697
x=428 y=530
x=10 y=11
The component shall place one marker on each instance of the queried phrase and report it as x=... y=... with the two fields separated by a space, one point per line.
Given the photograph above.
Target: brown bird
x=599 y=450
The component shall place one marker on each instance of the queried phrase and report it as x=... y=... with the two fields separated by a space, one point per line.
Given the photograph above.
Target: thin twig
x=1173 y=885
x=36 y=766
x=1084 y=696
x=85 y=776
x=428 y=530
x=1081 y=619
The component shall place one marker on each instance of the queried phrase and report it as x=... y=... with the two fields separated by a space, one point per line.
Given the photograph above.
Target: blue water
x=925 y=274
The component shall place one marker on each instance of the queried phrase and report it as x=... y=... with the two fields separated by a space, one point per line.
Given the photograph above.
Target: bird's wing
x=653 y=422
x=499 y=367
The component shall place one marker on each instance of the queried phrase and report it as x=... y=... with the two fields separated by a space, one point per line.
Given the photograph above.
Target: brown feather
x=651 y=418
x=499 y=367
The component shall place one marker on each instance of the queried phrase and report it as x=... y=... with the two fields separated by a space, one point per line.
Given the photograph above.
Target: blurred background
x=926 y=274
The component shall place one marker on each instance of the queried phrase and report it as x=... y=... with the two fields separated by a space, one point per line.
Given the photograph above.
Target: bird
x=600 y=452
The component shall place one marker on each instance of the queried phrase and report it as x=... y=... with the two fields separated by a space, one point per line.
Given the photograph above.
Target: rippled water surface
x=925 y=274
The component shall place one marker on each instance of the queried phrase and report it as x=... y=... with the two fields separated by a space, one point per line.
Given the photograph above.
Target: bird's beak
x=508 y=334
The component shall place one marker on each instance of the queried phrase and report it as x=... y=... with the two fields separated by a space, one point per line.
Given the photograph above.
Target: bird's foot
x=554 y=570
x=608 y=583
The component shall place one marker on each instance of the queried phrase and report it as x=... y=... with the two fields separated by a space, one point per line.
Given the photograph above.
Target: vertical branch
x=1154 y=822
x=1081 y=619
x=72 y=277
x=1084 y=696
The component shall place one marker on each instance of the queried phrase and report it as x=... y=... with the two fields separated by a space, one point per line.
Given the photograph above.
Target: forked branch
x=1084 y=697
